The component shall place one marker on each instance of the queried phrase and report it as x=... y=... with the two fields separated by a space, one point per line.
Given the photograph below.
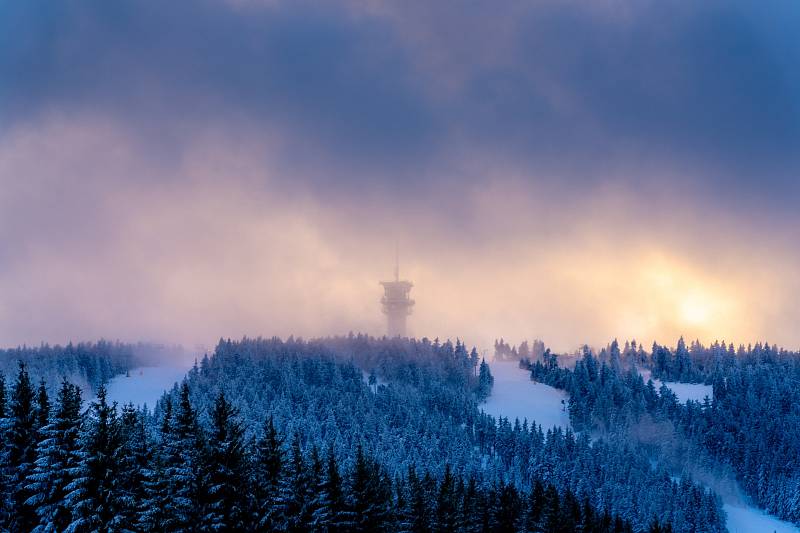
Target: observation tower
x=396 y=302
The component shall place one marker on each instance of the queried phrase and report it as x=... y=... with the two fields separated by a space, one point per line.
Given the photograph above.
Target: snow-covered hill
x=751 y=520
x=514 y=395
x=145 y=385
x=684 y=391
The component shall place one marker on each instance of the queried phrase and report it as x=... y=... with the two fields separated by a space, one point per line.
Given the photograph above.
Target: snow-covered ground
x=145 y=385
x=742 y=518
x=684 y=391
x=514 y=395
x=752 y=520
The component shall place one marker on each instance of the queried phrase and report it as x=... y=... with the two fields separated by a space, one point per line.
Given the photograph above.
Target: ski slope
x=514 y=395
x=684 y=391
x=752 y=520
x=145 y=385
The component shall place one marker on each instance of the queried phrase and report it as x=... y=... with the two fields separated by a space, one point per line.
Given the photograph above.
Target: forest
x=358 y=433
x=88 y=364
x=104 y=469
x=749 y=429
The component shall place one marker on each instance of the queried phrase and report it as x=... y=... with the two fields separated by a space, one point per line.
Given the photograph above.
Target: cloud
x=183 y=171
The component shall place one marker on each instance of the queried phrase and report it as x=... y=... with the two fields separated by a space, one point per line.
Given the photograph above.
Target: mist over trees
x=750 y=426
x=356 y=433
x=108 y=468
x=423 y=413
x=87 y=364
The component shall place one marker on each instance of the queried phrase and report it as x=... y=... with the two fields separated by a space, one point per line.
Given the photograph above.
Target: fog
x=168 y=187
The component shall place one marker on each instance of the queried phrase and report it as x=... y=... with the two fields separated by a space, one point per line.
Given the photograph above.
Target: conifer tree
x=134 y=465
x=56 y=459
x=20 y=453
x=508 y=508
x=42 y=406
x=320 y=503
x=370 y=493
x=226 y=471
x=471 y=507
x=334 y=493
x=446 y=505
x=295 y=490
x=268 y=474
x=3 y=405
x=419 y=516
x=552 y=510
x=154 y=515
x=485 y=381
x=182 y=465
x=535 y=507
x=94 y=495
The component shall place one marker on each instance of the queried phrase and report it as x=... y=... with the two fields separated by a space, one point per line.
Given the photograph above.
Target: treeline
x=415 y=404
x=750 y=426
x=503 y=351
x=88 y=364
x=102 y=470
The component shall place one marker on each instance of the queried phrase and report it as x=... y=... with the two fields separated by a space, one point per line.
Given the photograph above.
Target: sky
x=570 y=171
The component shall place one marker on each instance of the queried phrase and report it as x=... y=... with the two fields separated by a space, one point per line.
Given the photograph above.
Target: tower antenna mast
x=396 y=261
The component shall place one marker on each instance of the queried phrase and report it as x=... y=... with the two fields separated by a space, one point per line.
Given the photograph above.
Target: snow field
x=684 y=391
x=752 y=520
x=145 y=385
x=514 y=395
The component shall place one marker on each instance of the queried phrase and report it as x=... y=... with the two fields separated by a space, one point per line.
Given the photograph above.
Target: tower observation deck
x=396 y=303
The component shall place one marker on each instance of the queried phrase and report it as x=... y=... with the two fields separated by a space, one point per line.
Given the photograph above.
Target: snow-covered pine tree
x=136 y=456
x=320 y=505
x=94 y=495
x=471 y=508
x=370 y=495
x=182 y=462
x=485 y=381
x=446 y=504
x=296 y=491
x=334 y=495
x=2 y=395
x=153 y=515
x=56 y=458
x=20 y=452
x=226 y=471
x=268 y=472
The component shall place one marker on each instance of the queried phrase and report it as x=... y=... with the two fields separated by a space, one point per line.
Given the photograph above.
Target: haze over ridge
x=187 y=171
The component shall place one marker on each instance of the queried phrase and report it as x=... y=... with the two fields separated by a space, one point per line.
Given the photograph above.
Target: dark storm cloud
x=166 y=68
x=707 y=86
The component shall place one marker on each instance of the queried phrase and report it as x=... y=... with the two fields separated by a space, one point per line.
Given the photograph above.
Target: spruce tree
x=226 y=471
x=153 y=515
x=183 y=449
x=135 y=464
x=446 y=505
x=42 y=405
x=485 y=381
x=319 y=503
x=508 y=509
x=2 y=395
x=56 y=459
x=95 y=495
x=20 y=453
x=471 y=508
x=268 y=473
x=334 y=492
x=295 y=491
x=370 y=495
x=535 y=507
